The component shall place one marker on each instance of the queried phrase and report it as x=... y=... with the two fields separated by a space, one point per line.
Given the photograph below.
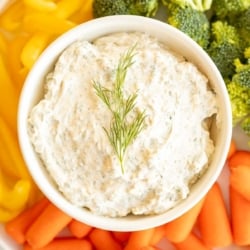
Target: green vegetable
x=222 y=28
x=242 y=24
x=143 y=7
x=239 y=93
x=194 y=4
x=229 y=8
x=191 y=21
x=118 y=7
x=225 y=47
x=122 y=130
x=109 y=7
x=246 y=125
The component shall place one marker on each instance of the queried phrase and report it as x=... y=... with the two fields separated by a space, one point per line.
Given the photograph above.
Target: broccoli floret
x=242 y=23
x=239 y=92
x=143 y=7
x=245 y=125
x=229 y=8
x=194 y=4
x=192 y=22
x=124 y=7
x=225 y=47
x=109 y=7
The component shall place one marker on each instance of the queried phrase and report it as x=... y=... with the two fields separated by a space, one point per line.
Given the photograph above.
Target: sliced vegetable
x=139 y=239
x=121 y=237
x=178 y=229
x=240 y=180
x=79 y=229
x=41 y=5
x=215 y=233
x=191 y=242
x=102 y=240
x=46 y=227
x=33 y=48
x=159 y=234
x=240 y=157
x=11 y=18
x=18 y=226
x=16 y=195
x=240 y=217
x=66 y=8
x=232 y=149
x=8 y=96
x=44 y=22
x=64 y=244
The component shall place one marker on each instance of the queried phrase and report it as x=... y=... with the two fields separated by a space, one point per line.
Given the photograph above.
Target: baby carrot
x=158 y=235
x=240 y=180
x=232 y=149
x=213 y=220
x=103 y=240
x=17 y=227
x=139 y=239
x=63 y=244
x=191 y=242
x=240 y=217
x=178 y=229
x=79 y=229
x=240 y=157
x=150 y=248
x=44 y=229
x=121 y=236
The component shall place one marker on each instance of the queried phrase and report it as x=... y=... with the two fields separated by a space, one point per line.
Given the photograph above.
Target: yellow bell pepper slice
x=66 y=8
x=11 y=18
x=41 y=5
x=46 y=23
x=6 y=164
x=9 y=140
x=15 y=66
x=15 y=198
x=8 y=96
x=3 y=45
x=84 y=14
x=33 y=48
x=6 y=215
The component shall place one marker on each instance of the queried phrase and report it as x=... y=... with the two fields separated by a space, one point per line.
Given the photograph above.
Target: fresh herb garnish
x=121 y=132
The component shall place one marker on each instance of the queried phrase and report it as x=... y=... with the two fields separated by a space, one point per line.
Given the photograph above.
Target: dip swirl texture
x=162 y=163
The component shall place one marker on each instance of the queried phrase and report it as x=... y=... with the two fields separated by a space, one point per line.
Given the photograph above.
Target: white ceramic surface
x=176 y=40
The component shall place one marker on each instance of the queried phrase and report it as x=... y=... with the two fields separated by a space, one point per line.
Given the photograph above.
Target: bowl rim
x=91 y=28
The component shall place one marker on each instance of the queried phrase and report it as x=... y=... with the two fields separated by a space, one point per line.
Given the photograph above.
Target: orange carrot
x=103 y=240
x=17 y=227
x=121 y=236
x=139 y=239
x=149 y=248
x=240 y=217
x=240 y=157
x=214 y=221
x=79 y=229
x=64 y=244
x=47 y=226
x=192 y=242
x=158 y=235
x=232 y=149
x=178 y=229
x=240 y=180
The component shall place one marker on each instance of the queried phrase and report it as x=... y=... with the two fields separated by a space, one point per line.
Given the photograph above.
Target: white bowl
x=33 y=90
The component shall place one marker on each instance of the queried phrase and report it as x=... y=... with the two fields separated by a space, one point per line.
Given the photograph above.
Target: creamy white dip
x=161 y=164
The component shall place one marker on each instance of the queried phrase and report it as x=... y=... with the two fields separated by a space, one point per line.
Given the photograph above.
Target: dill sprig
x=121 y=132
